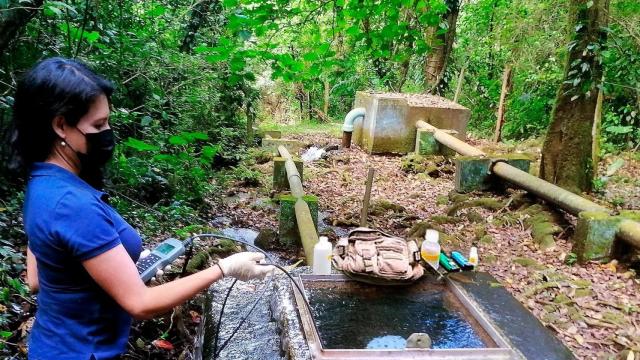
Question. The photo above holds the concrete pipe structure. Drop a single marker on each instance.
(628, 230)
(347, 127)
(304, 220)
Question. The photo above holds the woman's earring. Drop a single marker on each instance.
(63, 143)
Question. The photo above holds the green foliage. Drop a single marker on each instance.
(571, 259)
(179, 167)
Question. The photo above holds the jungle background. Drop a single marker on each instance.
(194, 78)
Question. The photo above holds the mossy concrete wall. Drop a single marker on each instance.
(280, 178)
(288, 225)
(390, 119)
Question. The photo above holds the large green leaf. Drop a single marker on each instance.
(140, 145)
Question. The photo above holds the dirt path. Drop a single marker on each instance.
(594, 308)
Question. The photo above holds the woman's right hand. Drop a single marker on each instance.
(245, 266)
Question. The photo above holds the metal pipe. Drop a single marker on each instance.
(306, 228)
(304, 220)
(628, 230)
(567, 200)
(347, 127)
(450, 141)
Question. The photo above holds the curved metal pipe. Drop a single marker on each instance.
(347, 126)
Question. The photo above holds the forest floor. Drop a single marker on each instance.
(594, 308)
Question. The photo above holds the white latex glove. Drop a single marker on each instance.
(245, 266)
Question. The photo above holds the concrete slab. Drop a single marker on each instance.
(521, 328)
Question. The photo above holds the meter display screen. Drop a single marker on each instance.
(165, 248)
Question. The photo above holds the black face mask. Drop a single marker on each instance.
(100, 148)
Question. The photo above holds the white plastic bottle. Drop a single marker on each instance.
(322, 257)
(473, 256)
(430, 249)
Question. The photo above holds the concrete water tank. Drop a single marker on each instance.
(389, 122)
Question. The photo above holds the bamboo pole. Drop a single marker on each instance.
(459, 85)
(304, 220)
(595, 134)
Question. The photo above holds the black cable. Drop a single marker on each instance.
(224, 303)
(258, 297)
(217, 352)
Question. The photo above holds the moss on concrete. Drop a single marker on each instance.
(595, 235)
(280, 179)
(287, 224)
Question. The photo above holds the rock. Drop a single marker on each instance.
(474, 217)
(381, 207)
(457, 197)
(526, 262)
(443, 219)
(487, 203)
(442, 200)
(486, 239)
(267, 239)
(418, 340)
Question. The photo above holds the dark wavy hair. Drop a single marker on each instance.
(53, 87)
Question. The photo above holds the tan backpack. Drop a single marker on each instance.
(376, 257)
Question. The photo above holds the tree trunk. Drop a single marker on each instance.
(14, 17)
(436, 63)
(506, 87)
(325, 99)
(199, 17)
(567, 149)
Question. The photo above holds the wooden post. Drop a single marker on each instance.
(459, 85)
(595, 134)
(367, 197)
(506, 86)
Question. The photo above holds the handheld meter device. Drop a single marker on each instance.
(161, 256)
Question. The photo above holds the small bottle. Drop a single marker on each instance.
(430, 249)
(322, 257)
(473, 256)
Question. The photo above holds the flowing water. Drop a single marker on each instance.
(366, 317)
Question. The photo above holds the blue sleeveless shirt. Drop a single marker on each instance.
(67, 222)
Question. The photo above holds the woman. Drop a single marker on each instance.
(81, 254)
